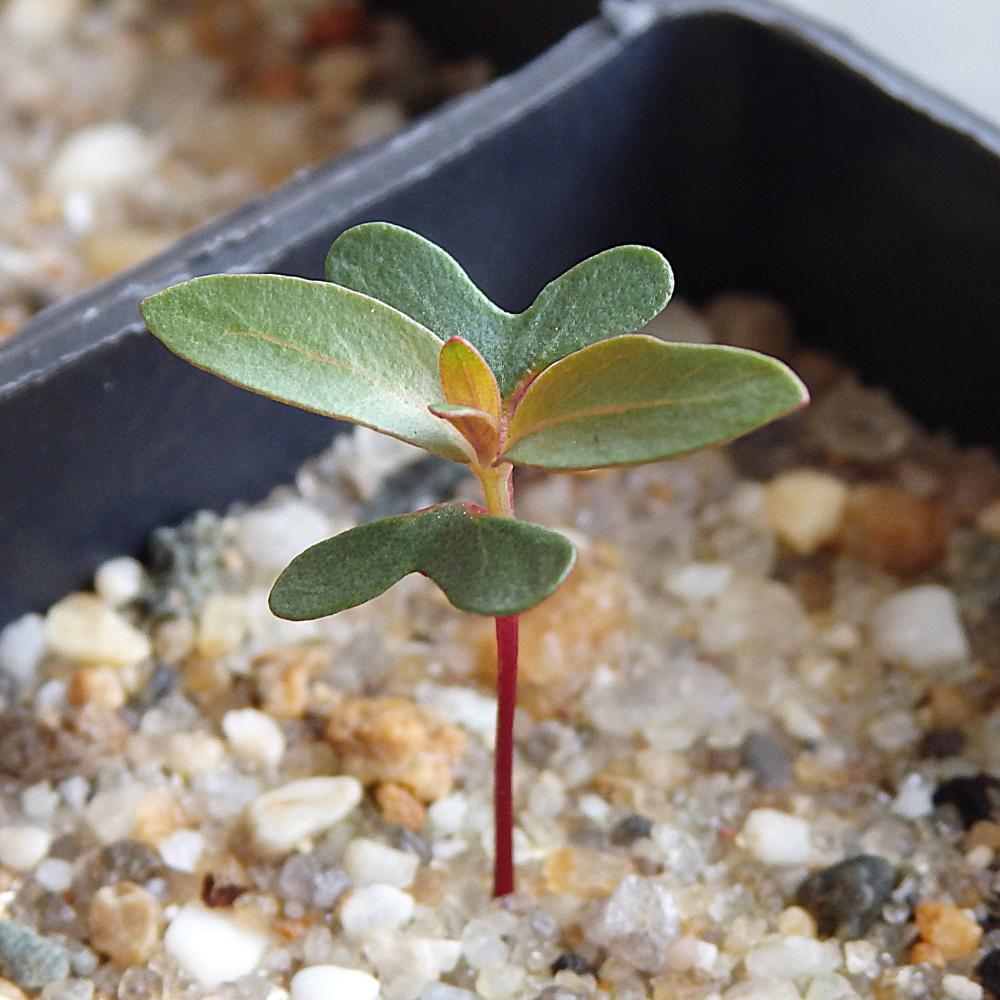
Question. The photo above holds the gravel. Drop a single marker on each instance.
(753, 761)
(124, 124)
(848, 897)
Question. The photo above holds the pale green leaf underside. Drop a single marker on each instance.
(615, 292)
(486, 565)
(637, 399)
(312, 344)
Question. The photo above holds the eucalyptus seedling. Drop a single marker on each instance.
(400, 340)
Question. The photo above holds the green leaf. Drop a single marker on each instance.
(486, 565)
(615, 292)
(312, 344)
(637, 399)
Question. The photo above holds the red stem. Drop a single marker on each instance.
(503, 791)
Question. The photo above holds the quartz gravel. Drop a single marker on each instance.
(757, 745)
(125, 123)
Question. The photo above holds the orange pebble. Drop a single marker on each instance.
(923, 953)
(583, 873)
(951, 930)
(399, 805)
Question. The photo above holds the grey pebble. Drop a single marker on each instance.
(848, 897)
(768, 758)
(30, 959)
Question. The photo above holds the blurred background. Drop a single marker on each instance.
(125, 123)
(952, 46)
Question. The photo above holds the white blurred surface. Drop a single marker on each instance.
(953, 45)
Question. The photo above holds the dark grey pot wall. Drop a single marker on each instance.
(756, 150)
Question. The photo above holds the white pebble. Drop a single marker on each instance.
(182, 850)
(82, 627)
(111, 814)
(406, 964)
(446, 848)
(960, 988)
(213, 946)
(921, 627)
(805, 508)
(222, 625)
(375, 906)
(502, 981)
(119, 581)
(54, 874)
(368, 861)
(22, 646)
(914, 798)
(464, 707)
(799, 722)
(861, 958)
(74, 791)
(980, 857)
(68, 989)
(776, 838)
(763, 989)
(447, 815)
(593, 807)
(894, 731)
(108, 157)
(671, 709)
(700, 581)
(840, 637)
(194, 753)
(50, 697)
(272, 536)
(817, 670)
(226, 793)
(791, 957)
(637, 923)
(689, 953)
(830, 986)
(39, 801)
(375, 456)
(254, 735)
(39, 21)
(754, 614)
(483, 943)
(444, 952)
(284, 817)
(547, 796)
(325, 982)
(442, 991)
(22, 847)
(373, 120)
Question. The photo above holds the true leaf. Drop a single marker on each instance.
(466, 379)
(486, 565)
(615, 292)
(312, 344)
(478, 428)
(638, 399)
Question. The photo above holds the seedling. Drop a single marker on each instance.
(399, 339)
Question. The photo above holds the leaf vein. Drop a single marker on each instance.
(393, 387)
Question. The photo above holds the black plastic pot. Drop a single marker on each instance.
(755, 149)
